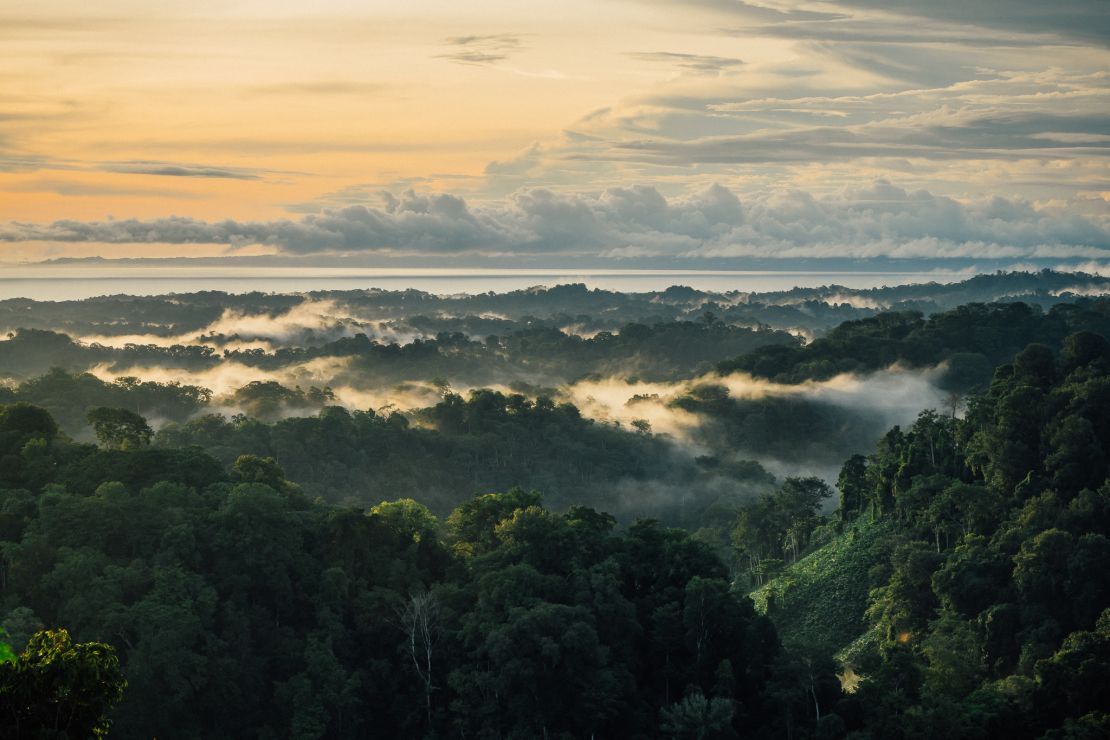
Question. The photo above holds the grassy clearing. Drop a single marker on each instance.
(821, 599)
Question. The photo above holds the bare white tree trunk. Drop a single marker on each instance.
(420, 621)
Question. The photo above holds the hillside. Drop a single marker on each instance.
(822, 599)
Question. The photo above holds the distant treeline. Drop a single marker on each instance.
(417, 313)
(971, 339)
(663, 351)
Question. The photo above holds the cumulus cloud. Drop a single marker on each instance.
(412, 222)
(878, 220)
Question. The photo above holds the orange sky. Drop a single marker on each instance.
(268, 110)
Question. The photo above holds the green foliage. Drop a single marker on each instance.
(59, 689)
(822, 599)
(792, 428)
(240, 607)
(268, 399)
(974, 338)
(654, 341)
(68, 397)
(120, 429)
(699, 718)
(964, 583)
(7, 655)
(490, 441)
(988, 568)
(778, 525)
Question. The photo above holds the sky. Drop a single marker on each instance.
(602, 132)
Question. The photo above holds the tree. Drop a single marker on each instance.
(804, 686)
(409, 520)
(1075, 680)
(852, 483)
(1084, 348)
(58, 689)
(954, 651)
(1076, 459)
(255, 469)
(20, 423)
(473, 524)
(697, 717)
(120, 429)
(419, 618)
(1041, 567)
(799, 501)
(1036, 365)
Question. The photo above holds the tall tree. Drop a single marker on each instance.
(120, 429)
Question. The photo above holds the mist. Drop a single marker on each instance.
(872, 403)
(641, 365)
(311, 321)
(852, 410)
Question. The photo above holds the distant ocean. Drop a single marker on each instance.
(61, 283)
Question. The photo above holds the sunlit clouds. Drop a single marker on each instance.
(874, 221)
(494, 129)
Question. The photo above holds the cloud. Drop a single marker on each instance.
(948, 135)
(479, 50)
(1041, 134)
(310, 321)
(78, 188)
(229, 375)
(17, 162)
(884, 31)
(1088, 20)
(749, 11)
(519, 164)
(20, 26)
(413, 222)
(695, 63)
(169, 169)
(877, 220)
(1005, 115)
(1018, 105)
(20, 162)
(876, 401)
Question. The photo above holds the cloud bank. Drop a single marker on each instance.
(879, 220)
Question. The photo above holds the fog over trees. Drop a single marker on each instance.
(559, 512)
